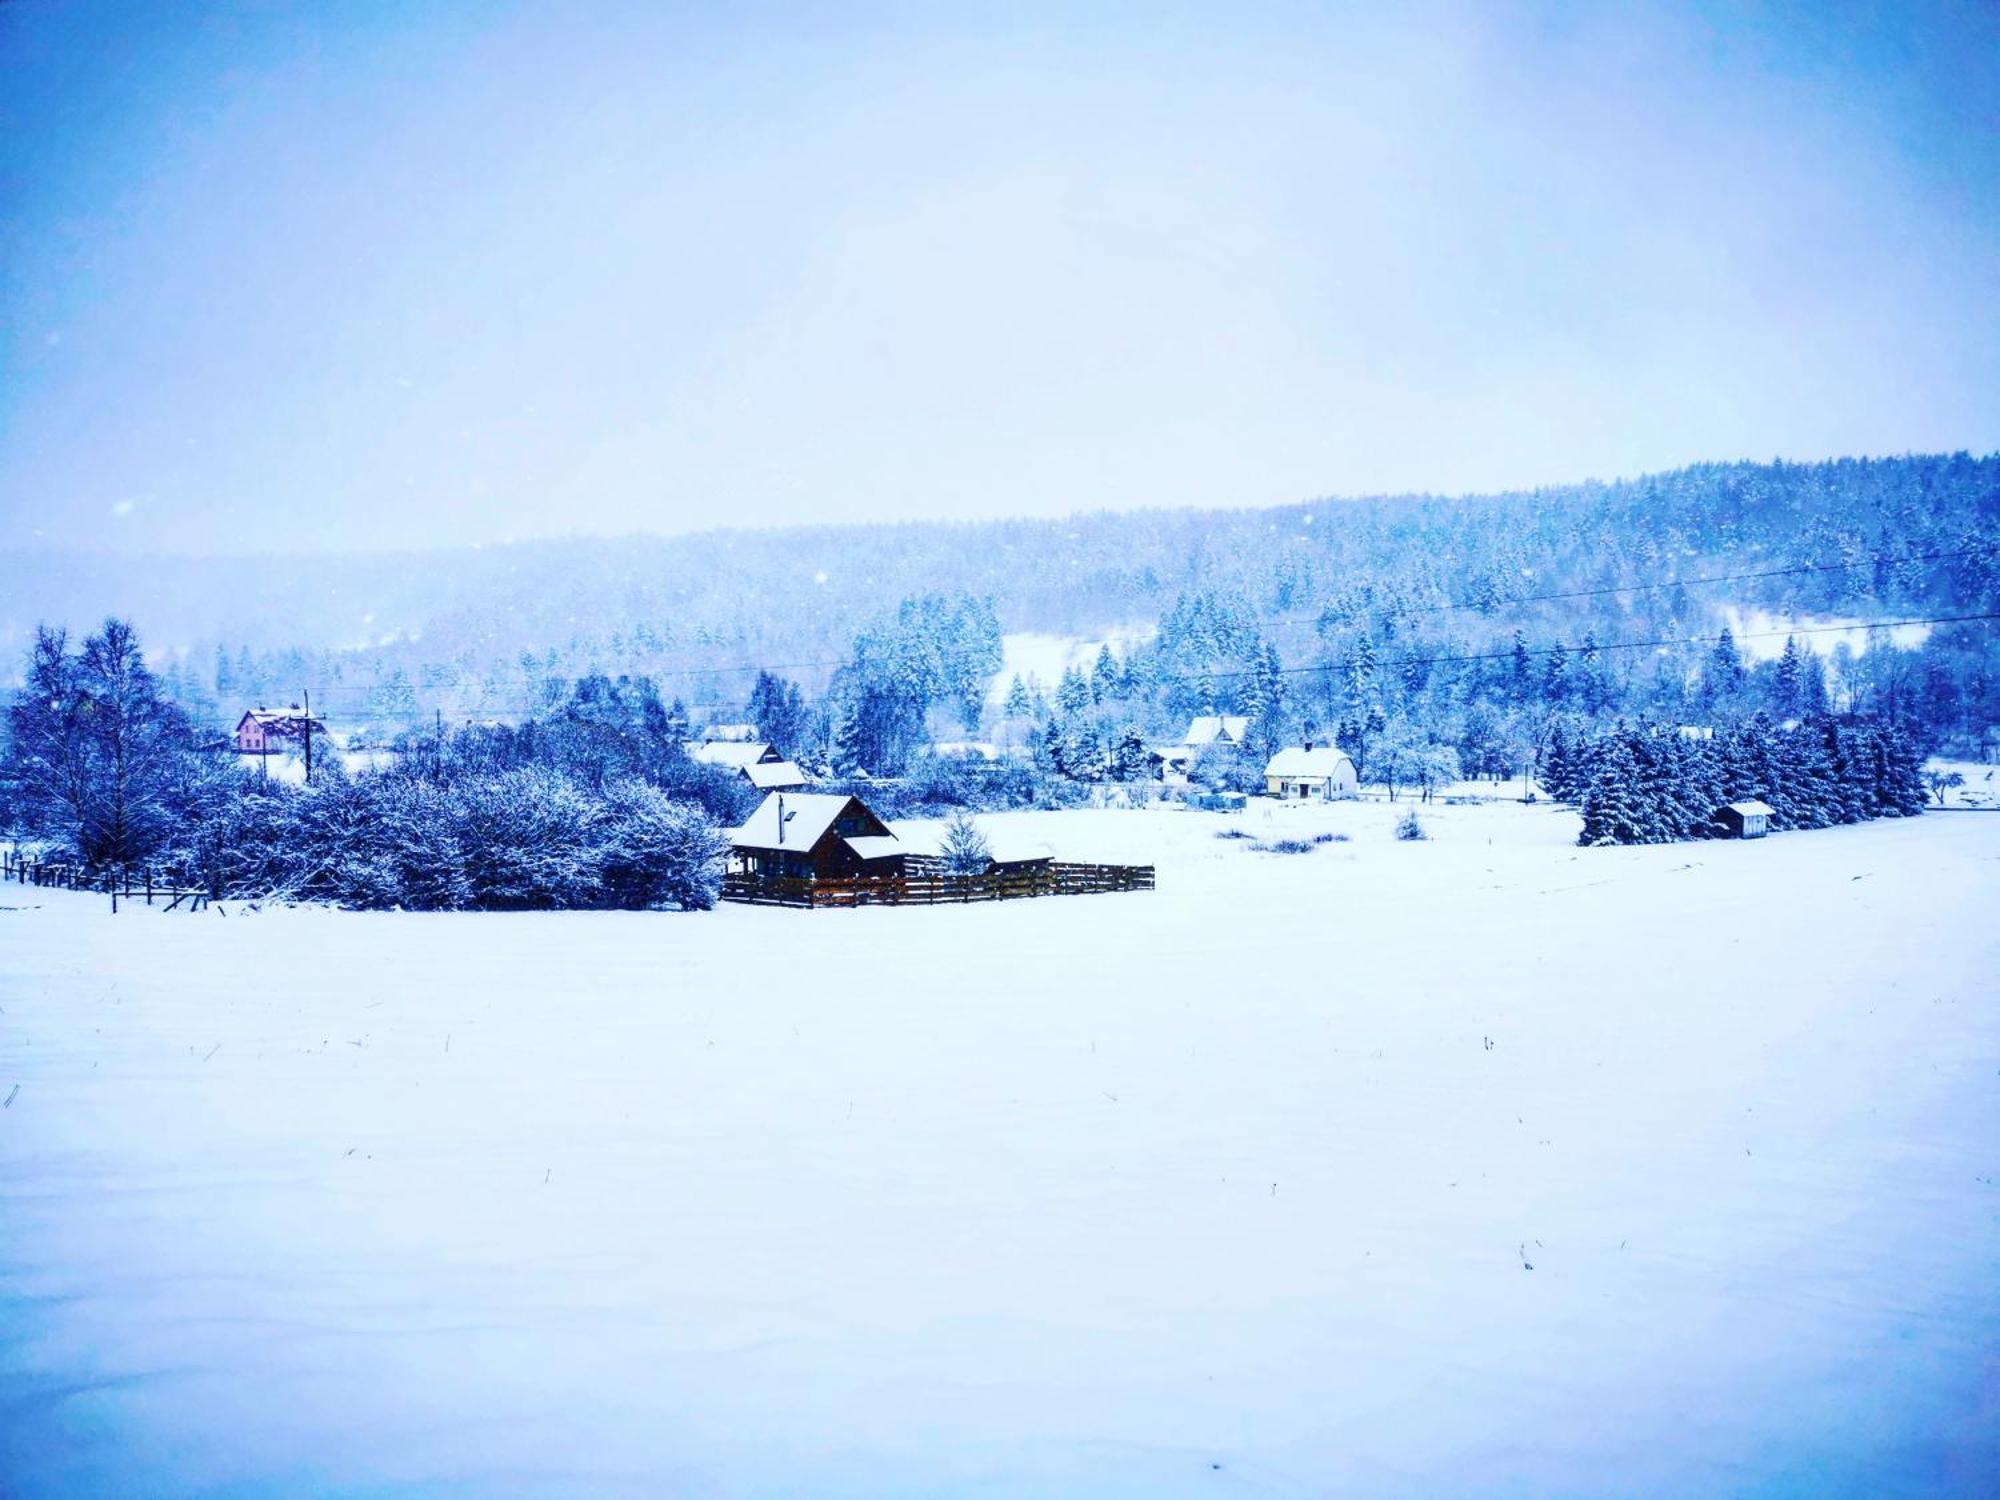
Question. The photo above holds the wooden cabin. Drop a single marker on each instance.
(1745, 820)
(815, 836)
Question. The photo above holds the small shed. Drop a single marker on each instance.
(815, 836)
(1745, 820)
(1319, 772)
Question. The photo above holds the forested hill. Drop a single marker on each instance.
(787, 596)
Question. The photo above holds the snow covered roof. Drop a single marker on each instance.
(1296, 761)
(732, 752)
(1206, 729)
(1752, 809)
(278, 718)
(876, 846)
(774, 775)
(978, 749)
(807, 816)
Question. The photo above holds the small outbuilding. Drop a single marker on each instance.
(759, 763)
(815, 836)
(1745, 820)
(1320, 773)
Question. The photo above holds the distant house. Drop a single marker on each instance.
(733, 733)
(966, 750)
(815, 836)
(1320, 772)
(272, 731)
(760, 764)
(1208, 729)
(734, 753)
(1745, 820)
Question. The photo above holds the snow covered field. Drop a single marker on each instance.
(1481, 1164)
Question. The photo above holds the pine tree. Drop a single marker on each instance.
(1104, 685)
(1073, 693)
(1018, 704)
(1555, 674)
(1612, 813)
(1786, 684)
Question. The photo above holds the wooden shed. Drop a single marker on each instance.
(1745, 820)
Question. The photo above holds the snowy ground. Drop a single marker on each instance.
(1230, 1189)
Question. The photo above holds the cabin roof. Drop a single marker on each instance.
(808, 815)
(1296, 760)
(774, 775)
(733, 752)
(1206, 729)
(1752, 809)
(277, 718)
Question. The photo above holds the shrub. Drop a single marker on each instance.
(1409, 829)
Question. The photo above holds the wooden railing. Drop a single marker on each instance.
(921, 887)
(121, 882)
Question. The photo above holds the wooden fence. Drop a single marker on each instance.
(124, 882)
(926, 887)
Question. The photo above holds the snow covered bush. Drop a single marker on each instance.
(659, 852)
(1409, 828)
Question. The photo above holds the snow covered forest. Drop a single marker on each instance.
(1196, 602)
(1802, 635)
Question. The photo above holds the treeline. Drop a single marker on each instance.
(1567, 574)
(1653, 784)
(595, 804)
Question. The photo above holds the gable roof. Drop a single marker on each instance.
(1752, 809)
(808, 816)
(1295, 760)
(774, 775)
(733, 752)
(284, 720)
(1206, 729)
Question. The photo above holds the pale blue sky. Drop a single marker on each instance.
(310, 276)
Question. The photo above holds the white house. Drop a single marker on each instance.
(1306, 771)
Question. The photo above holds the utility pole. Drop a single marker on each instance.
(309, 736)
